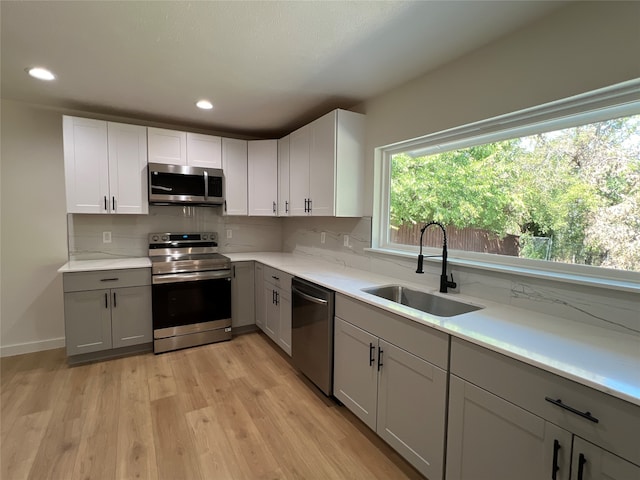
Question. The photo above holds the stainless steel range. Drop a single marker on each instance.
(191, 290)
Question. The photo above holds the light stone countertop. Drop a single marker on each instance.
(605, 360)
(105, 264)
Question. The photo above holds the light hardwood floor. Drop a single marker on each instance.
(231, 410)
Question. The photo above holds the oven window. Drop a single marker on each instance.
(172, 184)
(186, 303)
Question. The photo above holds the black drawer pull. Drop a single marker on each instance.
(380, 352)
(559, 403)
(275, 278)
(115, 279)
(371, 355)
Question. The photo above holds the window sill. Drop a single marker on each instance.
(565, 277)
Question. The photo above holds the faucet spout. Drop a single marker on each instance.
(444, 281)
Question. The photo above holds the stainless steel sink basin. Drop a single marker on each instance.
(423, 301)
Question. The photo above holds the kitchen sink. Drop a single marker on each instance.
(423, 301)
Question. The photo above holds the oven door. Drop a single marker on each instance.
(185, 303)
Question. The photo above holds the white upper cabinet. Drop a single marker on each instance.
(128, 183)
(204, 150)
(234, 165)
(105, 166)
(263, 177)
(299, 170)
(327, 166)
(284, 205)
(184, 148)
(167, 146)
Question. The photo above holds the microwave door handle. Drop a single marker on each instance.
(206, 185)
(160, 187)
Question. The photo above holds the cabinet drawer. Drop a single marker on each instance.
(99, 279)
(526, 386)
(277, 278)
(420, 340)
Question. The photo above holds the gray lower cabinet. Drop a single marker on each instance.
(243, 311)
(508, 419)
(492, 439)
(99, 319)
(591, 462)
(277, 306)
(395, 392)
(259, 295)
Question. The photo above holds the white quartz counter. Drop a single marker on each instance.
(605, 360)
(105, 264)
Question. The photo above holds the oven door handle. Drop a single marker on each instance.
(190, 277)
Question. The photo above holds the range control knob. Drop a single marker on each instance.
(204, 236)
(165, 238)
(155, 238)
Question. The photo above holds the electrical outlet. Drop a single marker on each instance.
(323, 237)
(229, 233)
(106, 237)
(346, 240)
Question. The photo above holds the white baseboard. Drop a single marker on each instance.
(30, 347)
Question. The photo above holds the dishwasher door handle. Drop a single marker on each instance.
(306, 296)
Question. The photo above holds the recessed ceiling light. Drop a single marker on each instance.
(41, 73)
(204, 104)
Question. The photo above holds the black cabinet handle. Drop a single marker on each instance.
(310, 206)
(371, 356)
(554, 466)
(273, 297)
(277, 298)
(274, 207)
(113, 203)
(380, 352)
(114, 279)
(305, 205)
(115, 304)
(105, 203)
(234, 271)
(559, 403)
(581, 462)
(106, 300)
(225, 205)
(275, 278)
(286, 206)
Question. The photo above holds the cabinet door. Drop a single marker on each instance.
(128, 169)
(204, 150)
(355, 371)
(322, 159)
(283, 177)
(131, 316)
(87, 321)
(271, 312)
(284, 331)
(167, 146)
(263, 177)
(593, 463)
(86, 165)
(492, 439)
(234, 165)
(260, 299)
(299, 144)
(412, 398)
(242, 294)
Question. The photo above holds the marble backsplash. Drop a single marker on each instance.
(612, 309)
(129, 233)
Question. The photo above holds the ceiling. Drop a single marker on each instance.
(267, 66)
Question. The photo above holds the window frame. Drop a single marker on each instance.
(615, 101)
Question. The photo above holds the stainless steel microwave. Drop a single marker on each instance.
(181, 184)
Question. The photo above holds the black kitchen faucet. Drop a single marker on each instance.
(444, 281)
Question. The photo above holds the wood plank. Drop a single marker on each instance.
(235, 409)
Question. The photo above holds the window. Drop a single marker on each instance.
(557, 183)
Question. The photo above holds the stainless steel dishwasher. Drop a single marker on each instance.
(312, 332)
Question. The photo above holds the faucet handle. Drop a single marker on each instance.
(451, 283)
(420, 262)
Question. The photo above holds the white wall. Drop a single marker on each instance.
(582, 47)
(34, 229)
